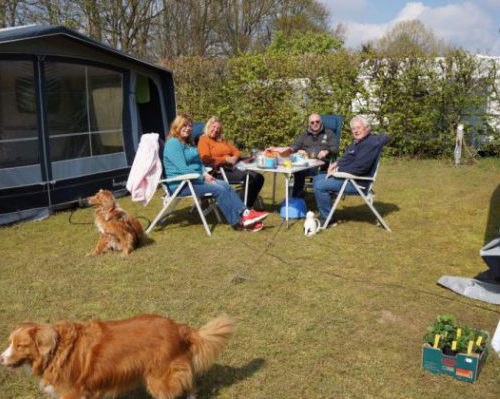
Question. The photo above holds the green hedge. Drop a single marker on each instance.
(265, 99)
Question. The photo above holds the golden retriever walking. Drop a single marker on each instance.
(119, 231)
(93, 359)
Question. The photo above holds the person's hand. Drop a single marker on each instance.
(331, 169)
(322, 154)
(232, 160)
(209, 179)
(302, 153)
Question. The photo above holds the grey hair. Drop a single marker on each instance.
(361, 118)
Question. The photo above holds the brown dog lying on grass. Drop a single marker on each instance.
(119, 231)
(100, 358)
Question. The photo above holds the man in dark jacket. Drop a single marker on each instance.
(357, 160)
(318, 142)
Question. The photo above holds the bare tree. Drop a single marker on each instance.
(410, 37)
(301, 15)
(242, 23)
(172, 28)
(8, 12)
(187, 28)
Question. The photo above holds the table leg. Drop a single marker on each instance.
(247, 180)
(274, 189)
(287, 181)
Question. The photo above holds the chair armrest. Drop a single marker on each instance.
(345, 175)
(189, 176)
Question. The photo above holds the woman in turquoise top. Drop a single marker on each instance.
(180, 157)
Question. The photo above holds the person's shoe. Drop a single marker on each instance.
(250, 217)
(254, 227)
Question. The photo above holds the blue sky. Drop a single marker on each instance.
(473, 25)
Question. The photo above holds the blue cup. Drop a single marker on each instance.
(270, 163)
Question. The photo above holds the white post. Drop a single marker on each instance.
(459, 144)
(495, 342)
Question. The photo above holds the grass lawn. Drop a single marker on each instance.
(338, 315)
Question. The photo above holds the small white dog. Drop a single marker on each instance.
(311, 225)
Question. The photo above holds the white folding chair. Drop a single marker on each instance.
(170, 201)
(365, 191)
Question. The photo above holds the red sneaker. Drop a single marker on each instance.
(254, 227)
(250, 217)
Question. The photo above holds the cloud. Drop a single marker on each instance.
(493, 3)
(358, 33)
(463, 24)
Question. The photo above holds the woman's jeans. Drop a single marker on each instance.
(255, 183)
(227, 200)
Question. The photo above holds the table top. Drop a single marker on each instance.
(312, 163)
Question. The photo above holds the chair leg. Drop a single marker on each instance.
(171, 200)
(370, 205)
(212, 207)
(157, 218)
(173, 205)
(217, 213)
(200, 211)
(335, 204)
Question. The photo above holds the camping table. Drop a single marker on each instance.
(287, 173)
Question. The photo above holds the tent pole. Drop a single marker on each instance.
(43, 122)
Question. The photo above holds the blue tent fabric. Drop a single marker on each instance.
(491, 256)
(35, 31)
(31, 187)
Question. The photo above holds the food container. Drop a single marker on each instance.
(261, 161)
(299, 160)
(270, 163)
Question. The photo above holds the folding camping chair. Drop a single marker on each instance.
(170, 200)
(197, 131)
(334, 123)
(358, 185)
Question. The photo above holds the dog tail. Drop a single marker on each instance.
(207, 341)
(137, 227)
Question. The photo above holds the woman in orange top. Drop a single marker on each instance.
(216, 152)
